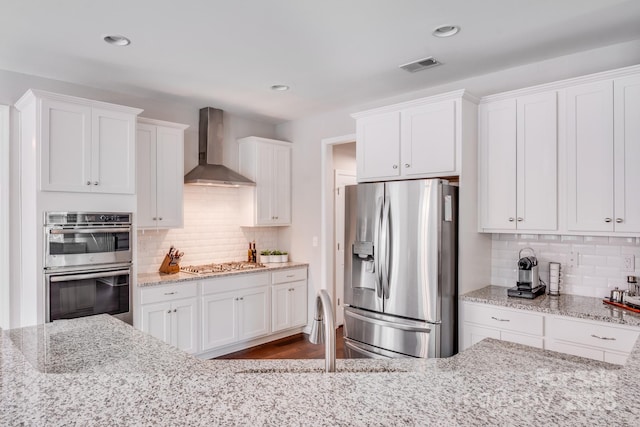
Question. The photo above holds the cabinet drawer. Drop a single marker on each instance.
(168, 293)
(592, 334)
(234, 283)
(506, 320)
(288, 276)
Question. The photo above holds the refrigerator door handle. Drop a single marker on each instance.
(377, 247)
(387, 248)
(389, 324)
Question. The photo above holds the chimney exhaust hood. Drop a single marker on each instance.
(211, 136)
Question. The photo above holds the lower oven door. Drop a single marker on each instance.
(88, 292)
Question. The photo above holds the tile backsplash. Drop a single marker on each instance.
(211, 231)
(598, 260)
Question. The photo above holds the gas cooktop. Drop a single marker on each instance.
(221, 268)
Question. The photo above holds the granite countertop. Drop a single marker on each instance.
(100, 371)
(154, 279)
(564, 305)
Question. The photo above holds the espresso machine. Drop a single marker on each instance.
(528, 285)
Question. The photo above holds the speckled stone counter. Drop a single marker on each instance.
(563, 305)
(154, 279)
(100, 371)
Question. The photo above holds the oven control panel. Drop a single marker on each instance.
(76, 218)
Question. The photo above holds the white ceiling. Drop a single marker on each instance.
(333, 53)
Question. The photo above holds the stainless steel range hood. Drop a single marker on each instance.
(211, 137)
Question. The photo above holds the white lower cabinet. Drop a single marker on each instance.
(602, 341)
(594, 340)
(174, 321)
(235, 308)
(488, 321)
(289, 305)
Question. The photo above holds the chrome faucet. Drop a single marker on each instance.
(324, 317)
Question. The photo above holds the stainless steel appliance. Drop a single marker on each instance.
(528, 285)
(87, 264)
(86, 238)
(400, 269)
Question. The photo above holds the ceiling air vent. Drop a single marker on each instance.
(420, 64)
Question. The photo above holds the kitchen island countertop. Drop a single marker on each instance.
(577, 306)
(100, 371)
(154, 279)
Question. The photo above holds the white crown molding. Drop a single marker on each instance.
(155, 122)
(563, 84)
(32, 94)
(261, 139)
(456, 94)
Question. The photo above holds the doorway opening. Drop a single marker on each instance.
(338, 170)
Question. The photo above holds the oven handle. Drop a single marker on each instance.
(88, 230)
(88, 275)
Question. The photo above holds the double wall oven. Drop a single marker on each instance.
(87, 264)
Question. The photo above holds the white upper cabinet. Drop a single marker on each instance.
(518, 164)
(497, 165)
(378, 147)
(590, 157)
(428, 136)
(160, 173)
(627, 153)
(417, 139)
(84, 145)
(267, 162)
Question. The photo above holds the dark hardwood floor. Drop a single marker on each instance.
(293, 347)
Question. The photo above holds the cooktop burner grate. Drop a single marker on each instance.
(221, 268)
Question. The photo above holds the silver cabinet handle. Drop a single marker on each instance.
(407, 165)
(500, 320)
(154, 218)
(175, 310)
(88, 182)
(160, 218)
(607, 220)
(291, 275)
(511, 219)
(603, 338)
(95, 182)
(618, 220)
(395, 166)
(171, 293)
(169, 312)
(520, 219)
(241, 298)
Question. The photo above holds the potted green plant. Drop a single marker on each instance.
(284, 257)
(265, 256)
(275, 256)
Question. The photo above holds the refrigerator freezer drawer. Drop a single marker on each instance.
(357, 350)
(410, 338)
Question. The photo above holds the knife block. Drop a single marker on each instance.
(167, 268)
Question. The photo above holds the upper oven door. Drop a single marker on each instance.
(77, 246)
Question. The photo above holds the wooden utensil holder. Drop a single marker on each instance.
(167, 268)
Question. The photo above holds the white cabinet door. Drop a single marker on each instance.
(156, 320)
(219, 320)
(169, 177)
(298, 303)
(378, 147)
(264, 184)
(428, 140)
(537, 165)
(66, 146)
(627, 154)
(497, 165)
(281, 188)
(145, 175)
(280, 313)
(255, 313)
(185, 325)
(113, 151)
(590, 157)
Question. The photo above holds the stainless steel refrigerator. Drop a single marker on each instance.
(400, 287)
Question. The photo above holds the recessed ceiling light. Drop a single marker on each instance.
(117, 40)
(280, 87)
(446, 31)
